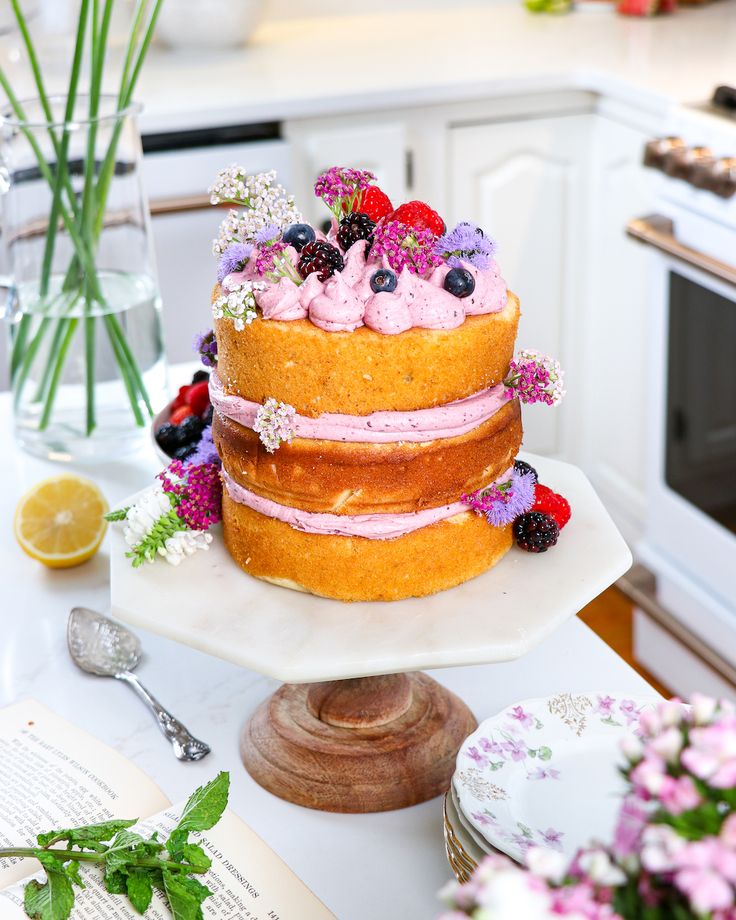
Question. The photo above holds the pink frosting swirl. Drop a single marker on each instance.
(421, 425)
(345, 302)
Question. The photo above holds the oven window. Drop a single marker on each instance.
(700, 454)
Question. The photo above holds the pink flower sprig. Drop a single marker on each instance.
(534, 377)
(339, 187)
(405, 247)
(272, 257)
(502, 502)
(197, 492)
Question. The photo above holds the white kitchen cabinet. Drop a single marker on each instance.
(523, 182)
(612, 324)
(378, 144)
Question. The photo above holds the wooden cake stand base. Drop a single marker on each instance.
(360, 745)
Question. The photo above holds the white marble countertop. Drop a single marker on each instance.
(333, 64)
(362, 866)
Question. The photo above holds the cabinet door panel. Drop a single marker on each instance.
(521, 182)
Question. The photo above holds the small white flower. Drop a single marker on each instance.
(239, 304)
(274, 423)
(703, 708)
(184, 543)
(671, 712)
(546, 863)
(668, 745)
(632, 748)
(143, 515)
(660, 845)
(597, 864)
(508, 895)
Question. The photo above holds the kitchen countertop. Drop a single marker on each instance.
(296, 68)
(362, 866)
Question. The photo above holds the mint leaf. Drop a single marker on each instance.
(205, 806)
(195, 856)
(184, 905)
(54, 898)
(83, 836)
(115, 881)
(139, 889)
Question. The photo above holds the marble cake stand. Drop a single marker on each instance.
(355, 728)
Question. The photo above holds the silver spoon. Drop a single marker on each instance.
(100, 646)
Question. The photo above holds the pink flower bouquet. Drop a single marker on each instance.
(673, 856)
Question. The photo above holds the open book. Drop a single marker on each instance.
(53, 775)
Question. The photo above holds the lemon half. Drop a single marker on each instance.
(60, 521)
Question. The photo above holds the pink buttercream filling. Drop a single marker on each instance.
(345, 301)
(448, 421)
(371, 526)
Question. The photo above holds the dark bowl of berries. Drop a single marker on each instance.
(177, 429)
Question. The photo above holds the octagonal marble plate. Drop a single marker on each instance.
(211, 604)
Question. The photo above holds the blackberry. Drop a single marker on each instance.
(191, 429)
(322, 258)
(181, 453)
(535, 532)
(354, 227)
(521, 466)
(200, 376)
(207, 417)
(168, 438)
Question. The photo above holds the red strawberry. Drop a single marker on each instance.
(178, 415)
(549, 502)
(181, 397)
(373, 202)
(198, 397)
(420, 215)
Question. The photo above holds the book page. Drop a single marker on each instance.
(247, 879)
(54, 775)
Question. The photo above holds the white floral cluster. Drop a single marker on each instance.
(274, 423)
(264, 201)
(143, 516)
(238, 304)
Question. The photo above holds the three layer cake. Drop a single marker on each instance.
(365, 396)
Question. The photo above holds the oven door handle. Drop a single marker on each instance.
(658, 231)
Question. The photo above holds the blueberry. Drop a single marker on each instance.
(191, 429)
(383, 280)
(298, 235)
(181, 453)
(459, 282)
(168, 438)
(200, 376)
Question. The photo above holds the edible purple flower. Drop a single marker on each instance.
(268, 235)
(466, 243)
(534, 377)
(197, 490)
(205, 344)
(233, 259)
(205, 451)
(405, 247)
(339, 187)
(502, 502)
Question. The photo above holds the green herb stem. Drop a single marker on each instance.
(143, 862)
(70, 327)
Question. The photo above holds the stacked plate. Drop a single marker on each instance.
(543, 772)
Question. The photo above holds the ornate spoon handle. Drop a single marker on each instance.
(185, 745)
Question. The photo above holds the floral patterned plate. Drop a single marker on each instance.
(544, 772)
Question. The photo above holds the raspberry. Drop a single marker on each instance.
(181, 397)
(198, 397)
(179, 414)
(322, 258)
(356, 226)
(549, 502)
(373, 202)
(419, 215)
(535, 532)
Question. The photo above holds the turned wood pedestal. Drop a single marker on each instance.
(361, 745)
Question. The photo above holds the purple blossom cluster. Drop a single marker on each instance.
(339, 187)
(197, 490)
(466, 243)
(405, 247)
(269, 257)
(205, 344)
(233, 259)
(205, 451)
(502, 503)
(534, 377)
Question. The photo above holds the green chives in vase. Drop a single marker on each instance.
(86, 354)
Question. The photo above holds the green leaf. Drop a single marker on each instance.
(54, 898)
(82, 836)
(184, 905)
(116, 881)
(206, 805)
(196, 856)
(140, 889)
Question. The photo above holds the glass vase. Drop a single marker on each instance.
(86, 355)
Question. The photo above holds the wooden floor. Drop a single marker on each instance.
(611, 616)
